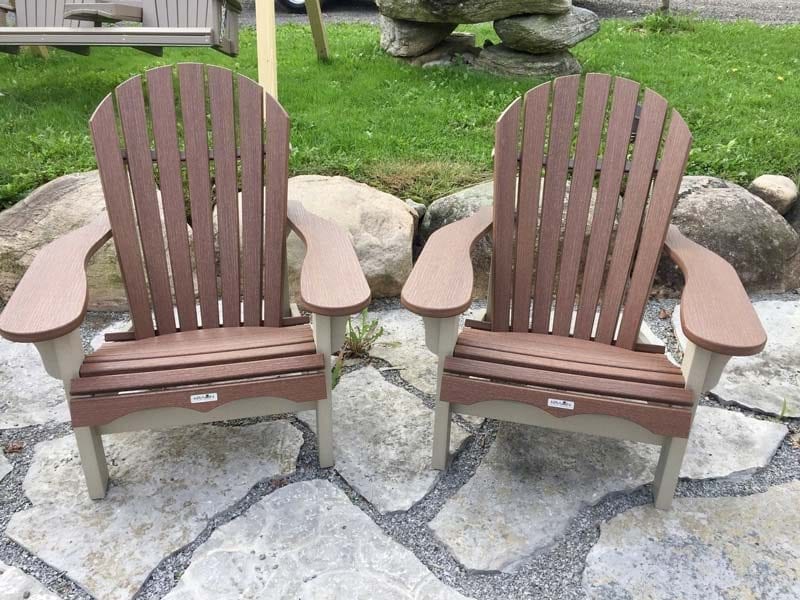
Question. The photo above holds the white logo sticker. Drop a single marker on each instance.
(201, 398)
(565, 404)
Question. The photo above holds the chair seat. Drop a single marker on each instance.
(197, 369)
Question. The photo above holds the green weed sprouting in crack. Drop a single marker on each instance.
(358, 340)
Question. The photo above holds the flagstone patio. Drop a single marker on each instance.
(242, 509)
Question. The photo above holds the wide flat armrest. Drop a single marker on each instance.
(716, 313)
(331, 280)
(441, 283)
(52, 297)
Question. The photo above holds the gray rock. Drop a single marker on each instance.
(30, 396)
(776, 190)
(793, 217)
(418, 207)
(739, 547)
(534, 481)
(306, 540)
(467, 11)
(768, 382)
(380, 225)
(540, 34)
(5, 466)
(411, 38)
(382, 437)
(724, 443)
(16, 585)
(49, 212)
(740, 227)
(165, 488)
(456, 48)
(503, 60)
(529, 486)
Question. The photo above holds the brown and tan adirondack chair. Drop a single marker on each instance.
(560, 344)
(246, 357)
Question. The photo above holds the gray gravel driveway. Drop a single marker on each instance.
(763, 11)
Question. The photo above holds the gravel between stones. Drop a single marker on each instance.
(553, 573)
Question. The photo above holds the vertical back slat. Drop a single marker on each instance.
(277, 178)
(595, 99)
(220, 95)
(562, 125)
(130, 100)
(648, 141)
(120, 214)
(193, 110)
(530, 176)
(165, 134)
(505, 192)
(251, 126)
(619, 130)
(654, 232)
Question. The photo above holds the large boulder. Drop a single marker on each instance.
(503, 60)
(47, 213)
(381, 227)
(778, 191)
(740, 227)
(542, 34)
(411, 38)
(467, 11)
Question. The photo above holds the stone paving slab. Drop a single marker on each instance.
(768, 382)
(16, 585)
(534, 481)
(728, 548)
(29, 395)
(383, 438)
(165, 488)
(306, 540)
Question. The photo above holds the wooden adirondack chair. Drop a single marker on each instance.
(252, 357)
(560, 344)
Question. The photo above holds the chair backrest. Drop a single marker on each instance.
(198, 141)
(46, 13)
(554, 270)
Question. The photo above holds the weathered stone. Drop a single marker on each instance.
(306, 540)
(540, 34)
(529, 486)
(458, 47)
(503, 60)
(403, 346)
(739, 547)
(15, 584)
(165, 488)
(768, 381)
(411, 38)
(467, 11)
(724, 443)
(381, 226)
(47, 213)
(740, 227)
(534, 481)
(5, 466)
(419, 209)
(776, 190)
(382, 437)
(30, 396)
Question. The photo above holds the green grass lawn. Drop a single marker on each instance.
(422, 132)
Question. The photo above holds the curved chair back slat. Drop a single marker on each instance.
(581, 211)
(175, 149)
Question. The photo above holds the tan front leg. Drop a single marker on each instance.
(440, 337)
(329, 337)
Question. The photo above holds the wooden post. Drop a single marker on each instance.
(266, 47)
(314, 10)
